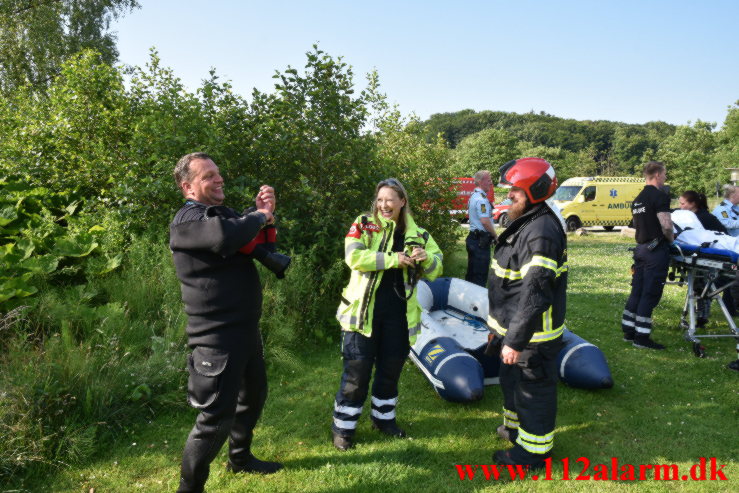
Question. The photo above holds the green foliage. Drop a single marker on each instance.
(689, 157)
(307, 143)
(487, 149)
(103, 355)
(36, 37)
(425, 170)
(591, 147)
(38, 245)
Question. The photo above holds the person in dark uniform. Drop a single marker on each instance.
(482, 231)
(223, 300)
(527, 299)
(651, 216)
(690, 200)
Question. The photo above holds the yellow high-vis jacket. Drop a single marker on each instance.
(368, 252)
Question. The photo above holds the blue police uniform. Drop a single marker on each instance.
(728, 214)
(478, 240)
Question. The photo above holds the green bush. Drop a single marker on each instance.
(101, 356)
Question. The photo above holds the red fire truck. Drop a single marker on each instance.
(464, 187)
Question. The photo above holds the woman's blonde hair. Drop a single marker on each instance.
(395, 184)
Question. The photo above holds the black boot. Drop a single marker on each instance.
(644, 342)
(342, 442)
(389, 427)
(518, 456)
(254, 465)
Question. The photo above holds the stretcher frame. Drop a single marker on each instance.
(690, 263)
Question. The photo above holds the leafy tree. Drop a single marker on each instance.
(307, 140)
(689, 157)
(36, 36)
(727, 154)
(487, 149)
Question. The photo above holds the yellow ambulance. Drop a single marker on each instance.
(597, 200)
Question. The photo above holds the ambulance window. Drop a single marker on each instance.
(589, 194)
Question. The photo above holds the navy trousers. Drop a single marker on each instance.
(647, 284)
(478, 257)
(386, 350)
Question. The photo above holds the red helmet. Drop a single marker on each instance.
(533, 175)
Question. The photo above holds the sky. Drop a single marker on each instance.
(619, 60)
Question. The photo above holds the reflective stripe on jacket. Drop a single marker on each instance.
(368, 252)
(527, 284)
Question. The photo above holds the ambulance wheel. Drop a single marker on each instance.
(698, 350)
(573, 223)
(503, 220)
(608, 228)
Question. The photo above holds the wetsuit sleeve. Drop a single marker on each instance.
(217, 234)
(432, 266)
(359, 253)
(538, 272)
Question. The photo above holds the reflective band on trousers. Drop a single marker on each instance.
(384, 402)
(350, 411)
(536, 444)
(541, 336)
(389, 415)
(345, 425)
(536, 261)
(510, 419)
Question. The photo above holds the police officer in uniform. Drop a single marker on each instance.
(527, 290)
(727, 211)
(223, 300)
(653, 223)
(482, 231)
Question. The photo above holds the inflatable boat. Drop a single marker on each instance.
(449, 350)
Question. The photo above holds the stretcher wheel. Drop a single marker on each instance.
(699, 350)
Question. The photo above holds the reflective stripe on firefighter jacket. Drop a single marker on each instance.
(527, 283)
(368, 252)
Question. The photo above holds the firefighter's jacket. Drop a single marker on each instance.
(527, 283)
(368, 251)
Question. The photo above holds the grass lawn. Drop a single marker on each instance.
(666, 407)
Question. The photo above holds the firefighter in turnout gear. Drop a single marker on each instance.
(527, 297)
(379, 313)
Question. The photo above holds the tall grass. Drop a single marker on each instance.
(88, 360)
(85, 362)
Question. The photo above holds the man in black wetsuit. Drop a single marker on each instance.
(653, 223)
(223, 300)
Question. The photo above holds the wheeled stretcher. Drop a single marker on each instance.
(713, 269)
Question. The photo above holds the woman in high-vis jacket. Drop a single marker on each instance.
(379, 312)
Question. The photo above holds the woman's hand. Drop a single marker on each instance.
(404, 260)
(419, 254)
